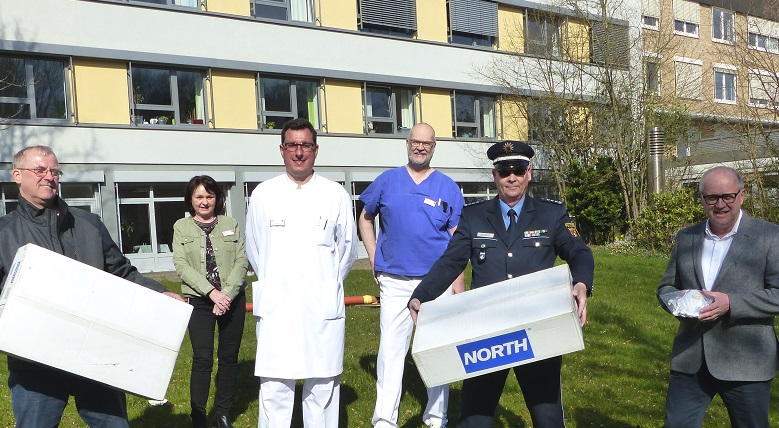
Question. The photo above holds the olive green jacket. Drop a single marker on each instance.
(189, 256)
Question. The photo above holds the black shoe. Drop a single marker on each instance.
(222, 421)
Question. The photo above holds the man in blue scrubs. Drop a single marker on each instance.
(419, 209)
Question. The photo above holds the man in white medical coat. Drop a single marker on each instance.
(301, 241)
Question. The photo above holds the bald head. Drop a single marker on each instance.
(420, 145)
(720, 173)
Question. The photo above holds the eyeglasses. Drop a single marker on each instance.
(41, 172)
(427, 145)
(727, 198)
(293, 147)
(519, 172)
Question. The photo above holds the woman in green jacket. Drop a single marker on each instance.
(210, 258)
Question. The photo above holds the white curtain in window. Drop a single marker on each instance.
(488, 117)
(687, 11)
(199, 100)
(406, 113)
(299, 10)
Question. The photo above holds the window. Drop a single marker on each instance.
(167, 97)
(688, 77)
(650, 18)
(765, 43)
(725, 85)
(474, 115)
(388, 110)
(284, 10)
(473, 22)
(722, 24)
(652, 76)
(32, 89)
(476, 192)
(283, 99)
(686, 18)
(390, 17)
(610, 44)
(545, 122)
(763, 89)
(543, 35)
(763, 34)
(189, 3)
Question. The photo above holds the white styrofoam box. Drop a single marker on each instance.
(506, 324)
(71, 316)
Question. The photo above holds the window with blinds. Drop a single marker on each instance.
(610, 44)
(473, 22)
(650, 14)
(763, 88)
(687, 17)
(391, 17)
(688, 78)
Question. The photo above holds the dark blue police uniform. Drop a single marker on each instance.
(545, 232)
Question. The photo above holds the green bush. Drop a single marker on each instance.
(655, 228)
(593, 196)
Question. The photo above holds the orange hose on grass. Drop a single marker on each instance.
(348, 300)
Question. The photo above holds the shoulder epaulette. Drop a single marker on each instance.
(476, 203)
(551, 200)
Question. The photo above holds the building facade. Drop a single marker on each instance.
(138, 96)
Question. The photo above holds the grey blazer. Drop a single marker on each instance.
(742, 344)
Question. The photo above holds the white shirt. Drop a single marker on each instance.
(301, 242)
(714, 251)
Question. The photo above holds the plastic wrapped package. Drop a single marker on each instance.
(686, 303)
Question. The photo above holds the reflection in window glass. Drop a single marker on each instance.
(283, 99)
(167, 97)
(32, 89)
(77, 190)
(388, 110)
(474, 116)
(543, 35)
(136, 233)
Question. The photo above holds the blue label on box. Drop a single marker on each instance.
(495, 351)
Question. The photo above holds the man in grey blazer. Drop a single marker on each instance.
(730, 349)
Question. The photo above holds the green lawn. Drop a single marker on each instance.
(618, 381)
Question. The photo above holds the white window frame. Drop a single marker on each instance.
(687, 13)
(725, 69)
(766, 102)
(688, 61)
(650, 18)
(724, 23)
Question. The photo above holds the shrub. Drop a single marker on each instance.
(593, 197)
(655, 228)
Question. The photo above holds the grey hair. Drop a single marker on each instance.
(21, 155)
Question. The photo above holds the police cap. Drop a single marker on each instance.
(516, 152)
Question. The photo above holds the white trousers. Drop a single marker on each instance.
(320, 402)
(396, 328)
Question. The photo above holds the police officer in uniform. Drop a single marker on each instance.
(511, 235)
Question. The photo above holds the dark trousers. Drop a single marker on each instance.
(201, 334)
(689, 395)
(39, 397)
(540, 384)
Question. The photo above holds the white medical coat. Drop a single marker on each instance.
(301, 243)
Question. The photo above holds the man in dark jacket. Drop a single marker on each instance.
(505, 237)
(39, 394)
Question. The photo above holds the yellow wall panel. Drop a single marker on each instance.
(577, 45)
(235, 99)
(510, 29)
(514, 120)
(337, 13)
(344, 106)
(101, 91)
(437, 110)
(232, 7)
(431, 20)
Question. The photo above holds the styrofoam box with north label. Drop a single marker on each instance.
(68, 315)
(506, 324)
